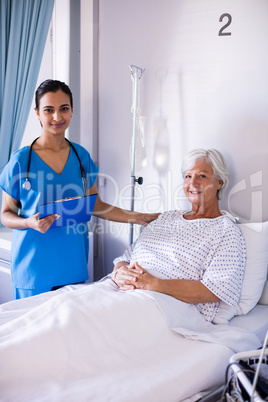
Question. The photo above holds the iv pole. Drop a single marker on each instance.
(136, 74)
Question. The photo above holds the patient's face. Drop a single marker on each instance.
(201, 185)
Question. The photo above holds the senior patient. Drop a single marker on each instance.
(197, 256)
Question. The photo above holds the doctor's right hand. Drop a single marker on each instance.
(41, 225)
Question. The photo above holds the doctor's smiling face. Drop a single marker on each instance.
(201, 185)
(54, 112)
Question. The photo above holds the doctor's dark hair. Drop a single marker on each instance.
(215, 159)
(51, 86)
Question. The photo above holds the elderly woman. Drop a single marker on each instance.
(197, 256)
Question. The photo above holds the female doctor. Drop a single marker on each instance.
(52, 168)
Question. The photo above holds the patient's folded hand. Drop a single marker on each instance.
(144, 280)
(130, 277)
(127, 275)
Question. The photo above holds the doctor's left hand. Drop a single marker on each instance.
(41, 225)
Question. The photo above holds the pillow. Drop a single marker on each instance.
(256, 238)
(264, 296)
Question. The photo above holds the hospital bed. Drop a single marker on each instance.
(95, 343)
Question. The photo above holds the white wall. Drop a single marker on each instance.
(199, 90)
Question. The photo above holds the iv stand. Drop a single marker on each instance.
(136, 74)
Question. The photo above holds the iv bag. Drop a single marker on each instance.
(161, 147)
(140, 151)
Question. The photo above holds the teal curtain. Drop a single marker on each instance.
(24, 28)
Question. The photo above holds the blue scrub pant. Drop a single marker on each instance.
(18, 293)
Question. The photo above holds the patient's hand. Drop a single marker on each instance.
(124, 275)
(130, 277)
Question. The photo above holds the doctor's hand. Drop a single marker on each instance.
(145, 219)
(41, 225)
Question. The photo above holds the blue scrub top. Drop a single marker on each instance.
(59, 256)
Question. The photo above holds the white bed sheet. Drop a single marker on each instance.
(93, 343)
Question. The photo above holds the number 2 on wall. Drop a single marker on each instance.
(229, 20)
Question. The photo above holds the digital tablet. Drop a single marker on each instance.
(71, 210)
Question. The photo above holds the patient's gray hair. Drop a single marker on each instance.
(216, 161)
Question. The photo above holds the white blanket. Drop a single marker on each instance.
(100, 344)
(186, 320)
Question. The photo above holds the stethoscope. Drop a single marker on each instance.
(27, 184)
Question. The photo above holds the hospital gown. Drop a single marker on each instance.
(212, 251)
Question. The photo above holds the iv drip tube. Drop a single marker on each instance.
(136, 74)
